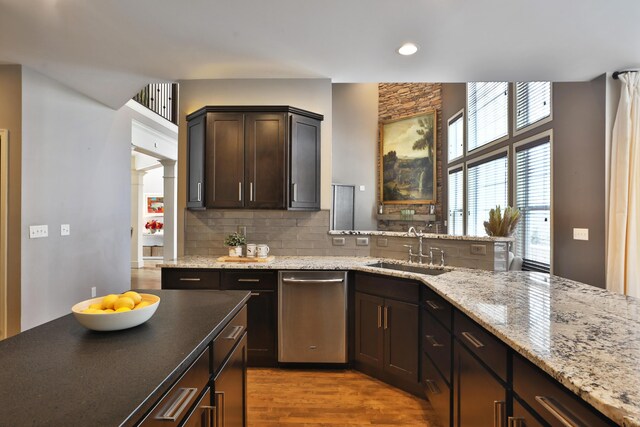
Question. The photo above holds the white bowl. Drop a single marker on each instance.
(115, 321)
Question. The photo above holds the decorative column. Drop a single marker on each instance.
(137, 212)
(170, 212)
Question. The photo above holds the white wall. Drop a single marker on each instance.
(355, 136)
(309, 94)
(75, 170)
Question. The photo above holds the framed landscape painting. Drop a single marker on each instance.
(154, 204)
(408, 164)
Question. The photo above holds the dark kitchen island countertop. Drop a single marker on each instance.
(62, 374)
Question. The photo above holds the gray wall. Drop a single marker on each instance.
(579, 112)
(11, 119)
(355, 138)
(75, 170)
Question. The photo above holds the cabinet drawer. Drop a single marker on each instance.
(201, 416)
(249, 280)
(436, 343)
(190, 278)
(522, 417)
(551, 400)
(227, 339)
(437, 391)
(437, 306)
(402, 290)
(174, 406)
(480, 342)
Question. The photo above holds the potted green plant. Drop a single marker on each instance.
(502, 224)
(235, 241)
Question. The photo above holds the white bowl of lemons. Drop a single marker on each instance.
(115, 312)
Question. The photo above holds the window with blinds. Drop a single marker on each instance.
(456, 207)
(533, 103)
(486, 188)
(533, 198)
(455, 136)
(487, 110)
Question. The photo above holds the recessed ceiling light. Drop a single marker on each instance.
(408, 49)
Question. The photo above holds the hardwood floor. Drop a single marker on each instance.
(278, 397)
(147, 277)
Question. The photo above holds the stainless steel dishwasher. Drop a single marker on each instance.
(312, 316)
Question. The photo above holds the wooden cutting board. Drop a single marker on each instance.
(245, 259)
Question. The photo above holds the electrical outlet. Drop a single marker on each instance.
(93, 292)
(38, 231)
(580, 234)
(65, 229)
(479, 249)
(362, 241)
(383, 242)
(338, 241)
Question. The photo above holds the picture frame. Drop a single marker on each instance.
(407, 159)
(154, 204)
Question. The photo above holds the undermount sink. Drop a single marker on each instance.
(411, 268)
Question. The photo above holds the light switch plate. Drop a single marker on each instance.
(65, 229)
(580, 234)
(38, 231)
(362, 188)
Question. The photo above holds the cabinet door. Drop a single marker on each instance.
(230, 389)
(195, 162)
(200, 416)
(224, 150)
(369, 334)
(523, 418)
(304, 192)
(261, 328)
(265, 171)
(401, 340)
(479, 399)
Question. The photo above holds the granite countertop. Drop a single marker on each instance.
(587, 338)
(60, 373)
(425, 235)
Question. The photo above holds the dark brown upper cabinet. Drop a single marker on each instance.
(264, 157)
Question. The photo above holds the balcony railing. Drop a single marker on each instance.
(162, 99)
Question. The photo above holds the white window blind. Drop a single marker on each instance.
(456, 209)
(533, 102)
(533, 198)
(487, 109)
(486, 188)
(455, 137)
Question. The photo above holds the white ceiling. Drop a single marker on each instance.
(108, 49)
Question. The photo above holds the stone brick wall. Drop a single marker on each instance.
(397, 100)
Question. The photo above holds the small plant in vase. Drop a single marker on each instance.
(153, 226)
(235, 241)
(502, 224)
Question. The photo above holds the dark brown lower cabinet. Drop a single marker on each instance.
(437, 391)
(522, 417)
(230, 389)
(479, 399)
(369, 333)
(202, 414)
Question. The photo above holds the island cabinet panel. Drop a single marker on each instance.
(230, 389)
(262, 314)
(202, 414)
(224, 153)
(256, 157)
(549, 400)
(190, 278)
(226, 340)
(387, 332)
(195, 160)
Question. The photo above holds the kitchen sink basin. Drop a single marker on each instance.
(411, 268)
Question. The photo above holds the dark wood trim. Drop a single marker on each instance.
(254, 109)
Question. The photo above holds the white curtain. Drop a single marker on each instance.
(623, 250)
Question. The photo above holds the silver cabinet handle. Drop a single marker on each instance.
(433, 305)
(432, 386)
(249, 280)
(174, 408)
(240, 191)
(499, 413)
(386, 317)
(558, 412)
(294, 191)
(255, 294)
(516, 422)
(190, 279)
(237, 330)
(290, 280)
(473, 340)
(251, 191)
(199, 191)
(379, 316)
(433, 341)
(211, 416)
(220, 409)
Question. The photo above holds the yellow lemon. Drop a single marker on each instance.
(108, 310)
(96, 306)
(92, 311)
(143, 304)
(123, 302)
(134, 296)
(109, 300)
(122, 309)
